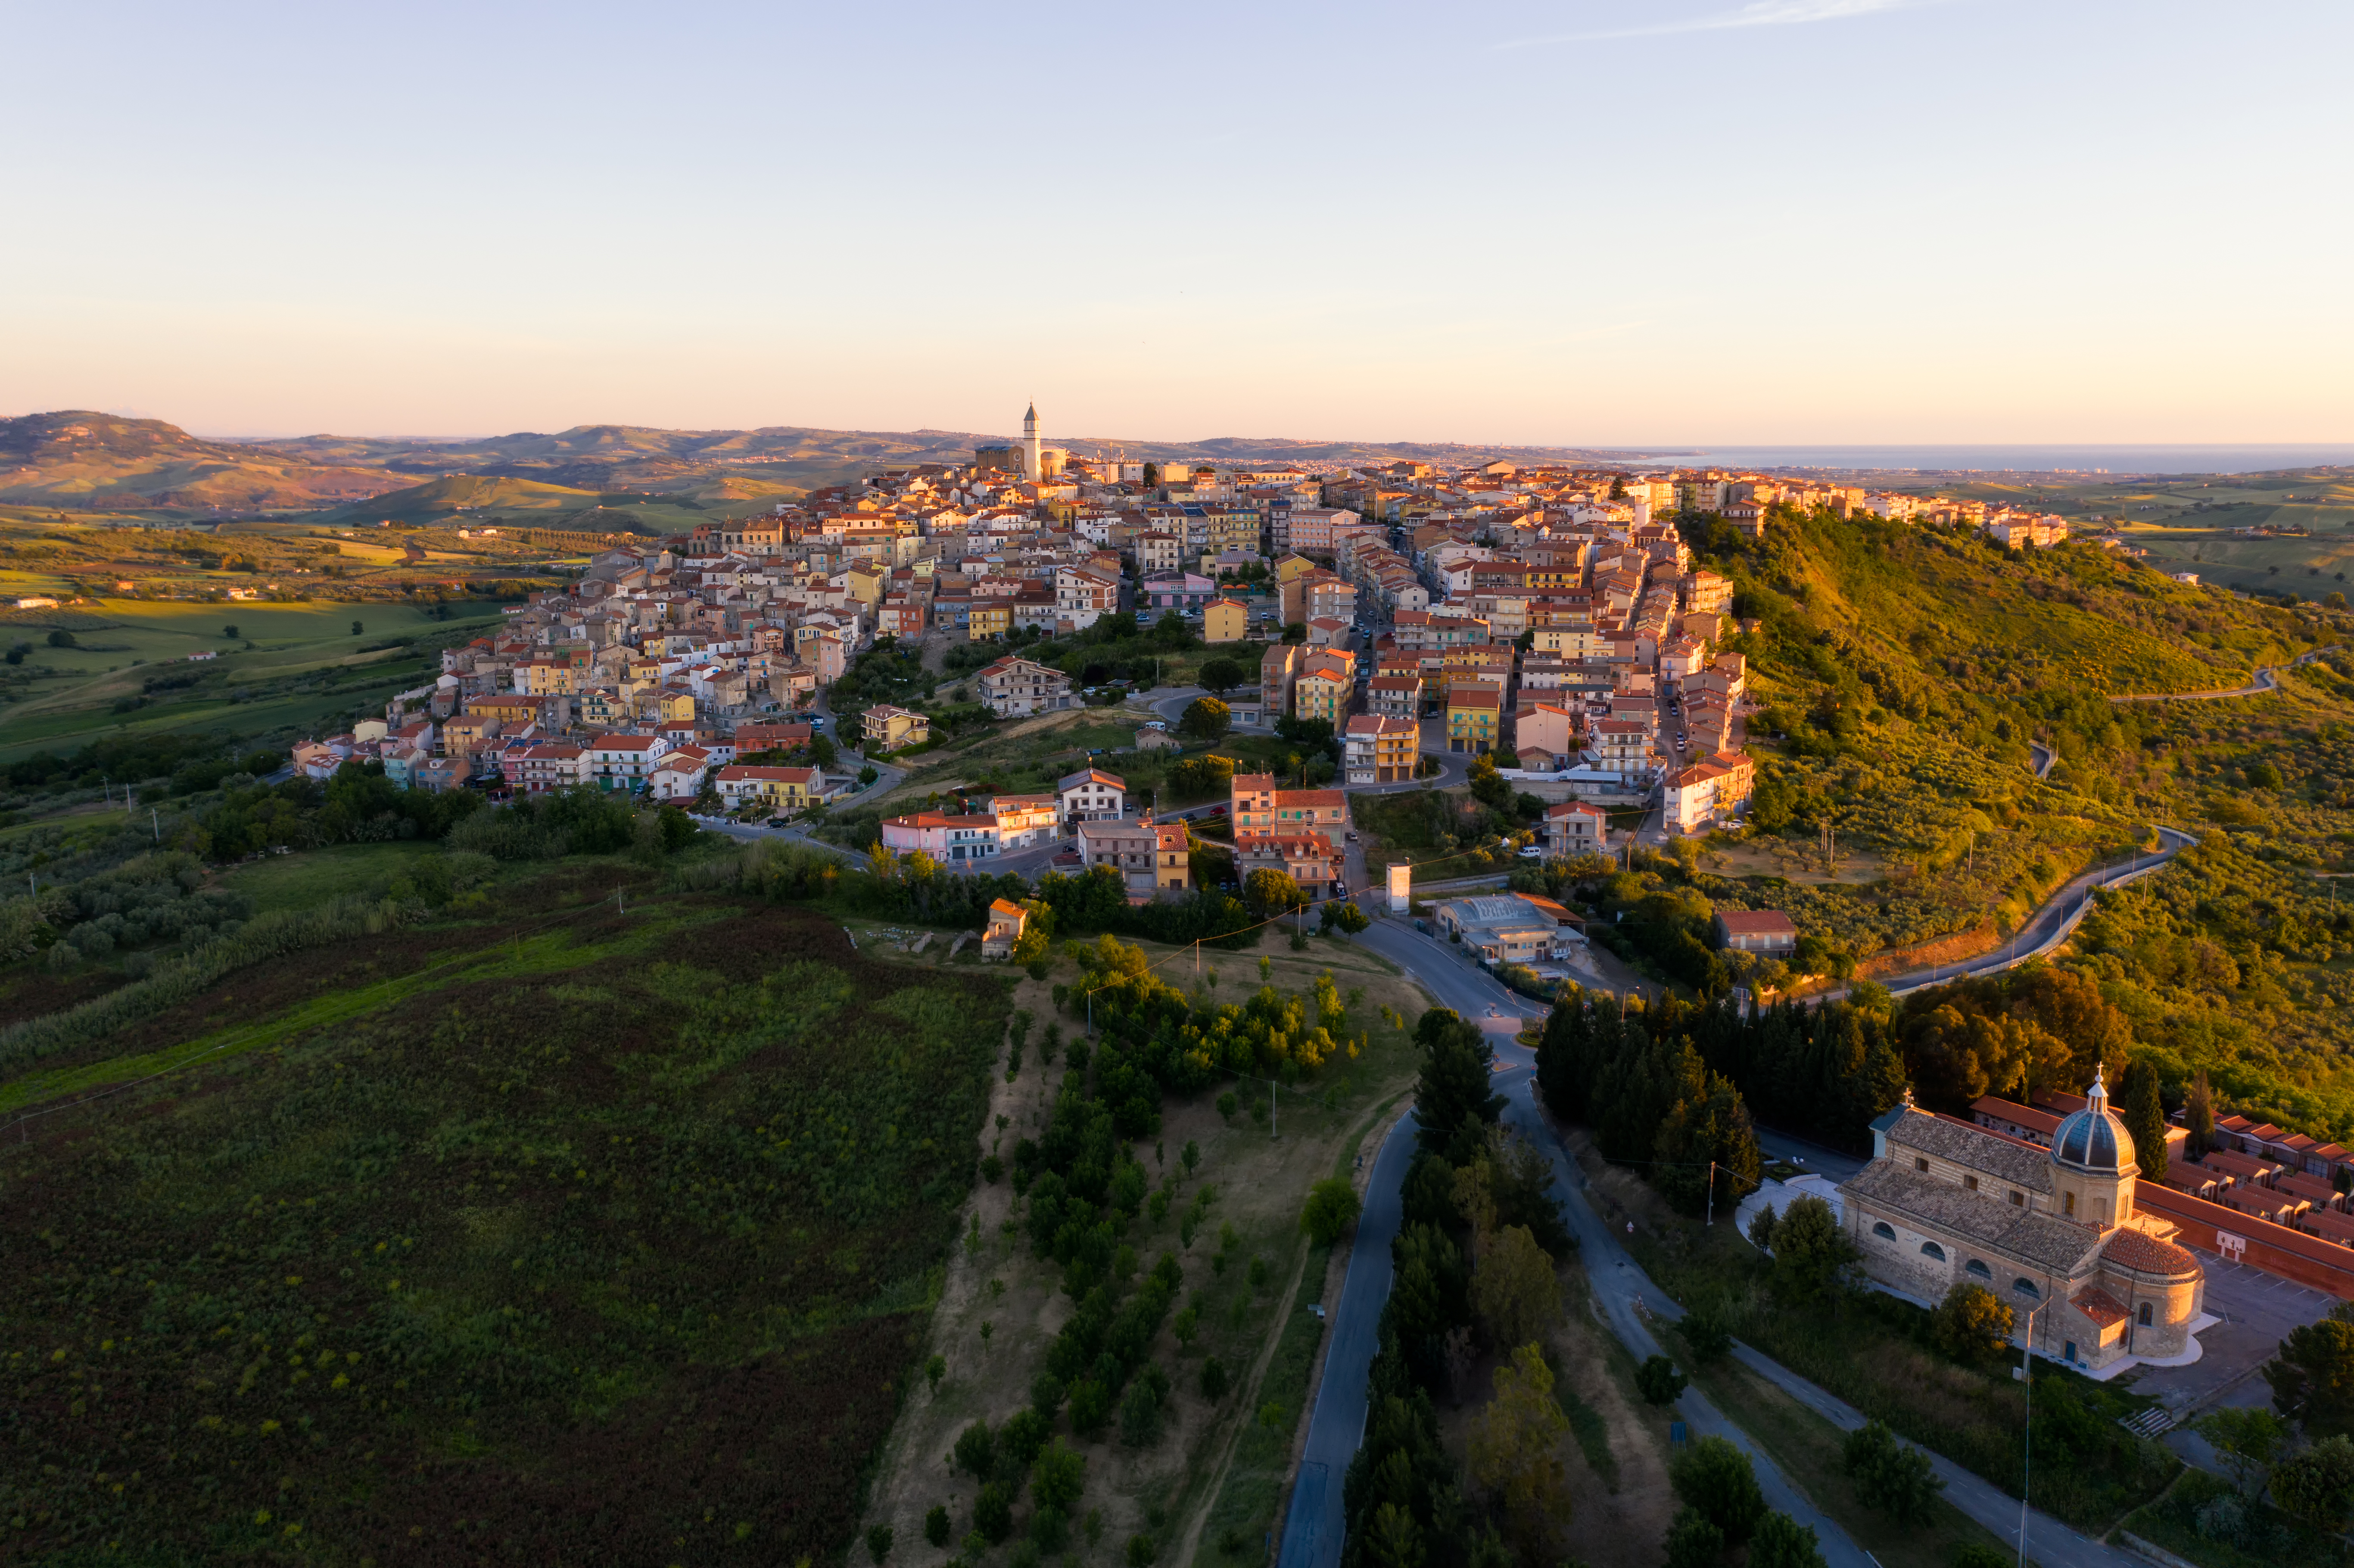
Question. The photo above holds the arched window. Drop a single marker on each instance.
(2144, 1318)
(2026, 1287)
(1931, 1249)
(1884, 1231)
(1978, 1270)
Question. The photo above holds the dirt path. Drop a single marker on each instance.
(1243, 1406)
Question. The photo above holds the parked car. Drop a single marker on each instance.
(1533, 853)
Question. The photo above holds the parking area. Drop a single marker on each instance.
(2257, 1309)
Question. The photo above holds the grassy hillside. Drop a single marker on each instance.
(613, 1243)
(1903, 675)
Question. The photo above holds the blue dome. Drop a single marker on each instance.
(2093, 1138)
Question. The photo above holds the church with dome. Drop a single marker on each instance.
(2053, 1232)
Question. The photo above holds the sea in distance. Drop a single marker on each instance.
(2089, 460)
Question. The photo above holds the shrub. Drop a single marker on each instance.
(1782, 1541)
(1090, 1406)
(993, 1512)
(935, 1525)
(1705, 1335)
(1972, 1323)
(1897, 1480)
(1693, 1541)
(1715, 1477)
(1139, 1414)
(1213, 1380)
(2317, 1485)
(1659, 1381)
(878, 1542)
(1058, 1476)
(1022, 1438)
(976, 1451)
(1140, 1552)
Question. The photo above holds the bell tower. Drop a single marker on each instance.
(1033, 468)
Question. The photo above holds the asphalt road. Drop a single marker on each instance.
(2051, 925)
(2267, 678)
(1336, 1428)
(1627, 1299)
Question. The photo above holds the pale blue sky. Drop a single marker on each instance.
(1798, 220)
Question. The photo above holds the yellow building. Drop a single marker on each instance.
(893, 727)
(669, 703)
(601, 708)
(866, 584)
(1236, 531)
(1572, 640)
(1322, 692)
(547, 677)
(1291, 566)
(989, 619)
(1224, 620)
(778, 789)
(1472, 713)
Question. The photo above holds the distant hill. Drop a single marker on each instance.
(86, 461)
(438, 498)
(91, 462)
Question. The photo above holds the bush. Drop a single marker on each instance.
(878, 1542)
(1330, 1210)
(1057, 1477)
(1716, 1479)
(1659, 1381)
(1782, 1542)
(1213, 1380)
(2317, 1485)
(1705, 1335)
(935, 1525)
(1090, 1406)
(1972, 1323)
(976, 1451)
(1897, 1480)
(1693, 1541)
(993, 1512)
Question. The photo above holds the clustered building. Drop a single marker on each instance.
(1411, 588)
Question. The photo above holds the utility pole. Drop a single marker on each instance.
(155, 822)
(1711, 1192)
(2027, 1443)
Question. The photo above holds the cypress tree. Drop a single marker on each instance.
(2137, 1105)
(1454, 1084)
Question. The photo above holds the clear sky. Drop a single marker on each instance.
(1581, 222)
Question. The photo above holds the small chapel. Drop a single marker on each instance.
(2052, 1232)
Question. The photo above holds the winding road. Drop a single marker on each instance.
(2267, 680)
(2051, 925)
(1625, 1298)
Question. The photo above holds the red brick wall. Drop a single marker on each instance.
(2275, 1249)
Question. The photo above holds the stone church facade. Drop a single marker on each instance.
(2052, 1232)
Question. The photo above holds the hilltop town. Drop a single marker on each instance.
(1550, 620)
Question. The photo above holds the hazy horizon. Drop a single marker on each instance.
(1807, 221)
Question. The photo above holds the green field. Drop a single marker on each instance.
(612, 1245)
(305, 668)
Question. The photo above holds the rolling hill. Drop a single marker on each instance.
(87, 461)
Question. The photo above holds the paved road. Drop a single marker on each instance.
(2051, 926)
(1626, 1296)
(2267, 678)
(1336, 1428)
